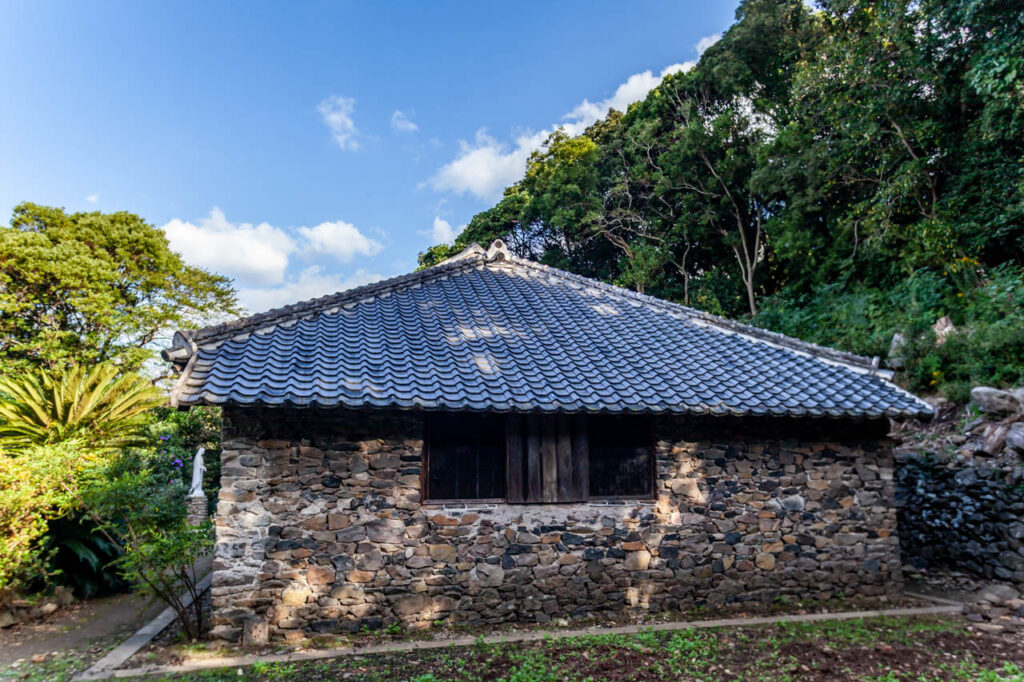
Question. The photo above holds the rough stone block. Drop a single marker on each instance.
(295, 595)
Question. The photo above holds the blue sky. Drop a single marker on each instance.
(306, 147)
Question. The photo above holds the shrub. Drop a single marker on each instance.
(36, 485)
(140, 504)
(987, 309)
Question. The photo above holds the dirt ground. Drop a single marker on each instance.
(77, 626)
(887, 649)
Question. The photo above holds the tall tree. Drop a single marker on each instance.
(840, 173)
(89, 287)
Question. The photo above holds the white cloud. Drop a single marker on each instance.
(707, 41)
(443, 232)
(251, 253)
(401, 123)
(93, 198)
(311, 283)
(342, 240)
(486, 166)
(336, 112)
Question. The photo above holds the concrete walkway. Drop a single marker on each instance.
(84, 624)
(512, 637)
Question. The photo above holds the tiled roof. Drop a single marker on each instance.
(487, 331)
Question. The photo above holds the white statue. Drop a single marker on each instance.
(198, 469)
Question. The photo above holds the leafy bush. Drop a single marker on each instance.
(79, 557)
(987, 309)
(102, 406)
(36, 485)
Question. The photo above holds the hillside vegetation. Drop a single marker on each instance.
(841, 174)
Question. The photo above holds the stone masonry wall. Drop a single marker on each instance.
(320, 527)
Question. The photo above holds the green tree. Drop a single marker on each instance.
(90, 287)
(499, 222)
(839, 173)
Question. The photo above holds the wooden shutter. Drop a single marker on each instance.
(547, 458)
(515, 466)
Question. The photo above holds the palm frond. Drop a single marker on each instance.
(99, 405)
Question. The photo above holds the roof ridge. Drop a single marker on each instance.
(274, 316)
(757, 333)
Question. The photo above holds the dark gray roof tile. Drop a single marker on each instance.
(490, 332)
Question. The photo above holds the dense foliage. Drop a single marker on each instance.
(57, 429)
(76, 552)
(37, 486)
(87, 287)
(83, 298)
(840, 174)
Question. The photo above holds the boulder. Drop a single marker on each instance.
(994, 401)
(996, 593)
(995, 438)
(1015, 437)
(63, 595)
(896, 347)
(943, 327)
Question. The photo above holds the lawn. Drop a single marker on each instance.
(890, 649)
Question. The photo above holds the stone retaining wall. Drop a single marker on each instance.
(964, 517)
(320, 527)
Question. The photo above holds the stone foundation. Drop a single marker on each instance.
(198, 512)
(320, 527)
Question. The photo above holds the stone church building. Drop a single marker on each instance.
(495, 440)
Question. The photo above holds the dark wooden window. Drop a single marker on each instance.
(621, 457)
(465, 456)
(547, 458)
(537, 458)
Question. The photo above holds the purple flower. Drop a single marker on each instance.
(178, 463)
